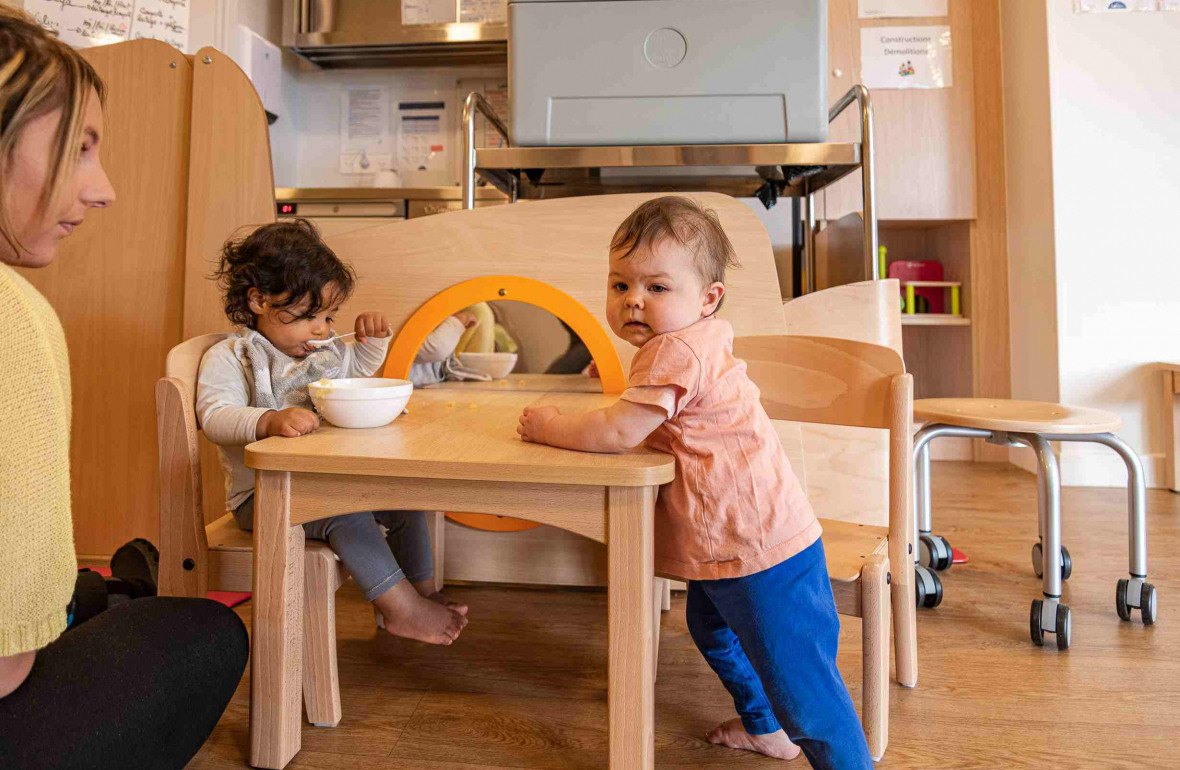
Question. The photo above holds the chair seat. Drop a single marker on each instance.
(1015, 416)
(225, 535)
(848, 545)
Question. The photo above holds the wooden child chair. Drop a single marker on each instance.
(830, 390)
(195, 558)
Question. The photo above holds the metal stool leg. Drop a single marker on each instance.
(1049, 615)
(1134, 592)
(931, 552)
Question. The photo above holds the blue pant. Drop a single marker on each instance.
(376, 562)
(772, 638)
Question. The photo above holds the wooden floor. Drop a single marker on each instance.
(525, 685)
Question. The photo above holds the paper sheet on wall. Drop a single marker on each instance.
(85, 23)
(906, 57)
(472, 11)
(424, 135)
(1102, 6)
(881, 9)
(365, 141)
(415, 12)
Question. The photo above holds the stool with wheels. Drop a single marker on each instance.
(1032, 424)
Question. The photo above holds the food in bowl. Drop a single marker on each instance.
(360, 402)
(495, 365)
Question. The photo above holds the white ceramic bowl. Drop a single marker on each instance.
(363, 402)
(495, 365)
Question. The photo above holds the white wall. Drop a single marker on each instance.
(1114, 101)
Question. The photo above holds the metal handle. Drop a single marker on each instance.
(476, 103)
(860, 94)
(318, 16)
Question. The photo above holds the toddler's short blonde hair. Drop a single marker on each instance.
(685, 221)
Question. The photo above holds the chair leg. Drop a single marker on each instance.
(436, 526)
(658, 587)
(905, 627)
(321, 680)
(875, 613)
(666, 597)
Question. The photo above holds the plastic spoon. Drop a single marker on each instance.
(329, 341)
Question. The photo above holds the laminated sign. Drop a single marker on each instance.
(906, 57)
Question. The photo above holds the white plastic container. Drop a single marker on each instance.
(495, 365)
(367, 402)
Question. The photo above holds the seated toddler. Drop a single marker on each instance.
(283, 286)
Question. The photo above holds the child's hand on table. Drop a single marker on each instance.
(591, 369)
(290, 423)
(533, 422)
(467, 319)
(372, 324)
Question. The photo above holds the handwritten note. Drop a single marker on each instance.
(85, 23)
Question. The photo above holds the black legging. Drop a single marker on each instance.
(140, 686)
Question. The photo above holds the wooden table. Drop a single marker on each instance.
(537, 383)
(455, 450)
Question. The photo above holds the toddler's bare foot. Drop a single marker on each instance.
(734, 735)
(408, 614)
(441, 598)
(425, 588)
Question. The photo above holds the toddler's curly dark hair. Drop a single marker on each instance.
(289, 262)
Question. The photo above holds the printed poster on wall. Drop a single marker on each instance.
(906, 57)
(365, 142)
(882, 9)
(102, 22)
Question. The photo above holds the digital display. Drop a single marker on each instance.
(288, 209)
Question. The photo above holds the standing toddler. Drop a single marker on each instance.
(283, 286)
(734, 522)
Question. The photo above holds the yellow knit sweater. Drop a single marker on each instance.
(37, 562)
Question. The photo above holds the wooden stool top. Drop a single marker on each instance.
(1015, 416)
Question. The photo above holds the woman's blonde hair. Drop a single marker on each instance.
(39, 74)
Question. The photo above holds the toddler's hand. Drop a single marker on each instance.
(467, 319)
(289, 423)
(591, 369)
(372, 324)
(533, 422)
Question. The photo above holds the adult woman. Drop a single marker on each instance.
(143, 684)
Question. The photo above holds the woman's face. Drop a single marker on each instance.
(37, 230)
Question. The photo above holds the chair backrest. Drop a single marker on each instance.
(867, 311)
(844, 411)
(182, 518)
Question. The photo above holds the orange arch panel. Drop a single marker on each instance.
(504, 287)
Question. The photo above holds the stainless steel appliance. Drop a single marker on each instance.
(382, 33)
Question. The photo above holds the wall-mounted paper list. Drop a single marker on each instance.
(85, 23)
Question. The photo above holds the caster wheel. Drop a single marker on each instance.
(1120, 599)
(1037, 561)
(946, 556)
(1034, 623)
(928, 588)
(1063, 627)
(1147, 604)
(935, 552)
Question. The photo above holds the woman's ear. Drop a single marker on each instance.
(256, 301)
(711, 298)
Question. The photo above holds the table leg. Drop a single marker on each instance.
(631, 692)
(276, 674)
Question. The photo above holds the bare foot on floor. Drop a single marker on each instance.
(732, 734)
(444, 600)
(409, 615)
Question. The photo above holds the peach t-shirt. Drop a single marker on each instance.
(735, 506)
